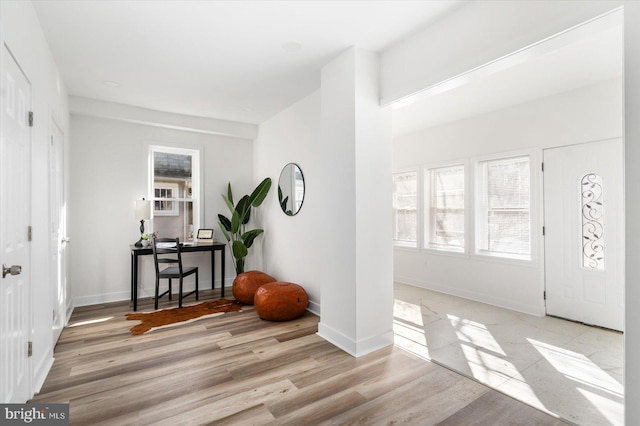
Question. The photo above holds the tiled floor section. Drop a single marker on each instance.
(568, 369)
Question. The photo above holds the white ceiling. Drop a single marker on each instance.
(247, 60)
(232, 60)
(588, 54)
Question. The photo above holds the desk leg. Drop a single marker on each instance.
(131, 293)
(134, 282)
(213, 269)
(222, 271)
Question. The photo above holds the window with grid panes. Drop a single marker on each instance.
(503, 225)
(174, 181)
(405, 204)
(445, 213)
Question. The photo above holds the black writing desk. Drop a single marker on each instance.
(186, 248)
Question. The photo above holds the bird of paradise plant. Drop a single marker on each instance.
(238, 238)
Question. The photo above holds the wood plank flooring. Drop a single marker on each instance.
(237, 369)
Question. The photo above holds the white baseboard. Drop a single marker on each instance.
(352, 347)
(374, 343)
(313, 307)
(42, 371)
(69, 312)
(97, 299)
(142, 292)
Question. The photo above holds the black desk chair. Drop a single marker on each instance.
(167, 250)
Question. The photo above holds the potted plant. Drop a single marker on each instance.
(234, 228)
(146, 239)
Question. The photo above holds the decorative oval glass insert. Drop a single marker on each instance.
(592, 222)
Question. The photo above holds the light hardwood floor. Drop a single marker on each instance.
(239, 369)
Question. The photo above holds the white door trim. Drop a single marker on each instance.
(584, 241)
(16, 309)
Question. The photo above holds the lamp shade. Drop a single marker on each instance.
(143, 209)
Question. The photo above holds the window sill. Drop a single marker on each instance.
(506, 258)
(404, 246)
(446, 251)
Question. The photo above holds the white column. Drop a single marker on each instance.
(357, 292)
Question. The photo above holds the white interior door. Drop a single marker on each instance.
(15, 163)
(58, 239)
(584, 227)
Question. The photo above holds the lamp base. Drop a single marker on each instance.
(139, 243)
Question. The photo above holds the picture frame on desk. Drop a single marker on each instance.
(205, 235)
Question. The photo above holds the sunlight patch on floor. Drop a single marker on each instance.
(563, 368)
(476, 333)
(409, 329)
(94, 321)
(412, 346)
(609, 408)
(579, 368)
(487, 367)
(408, 312)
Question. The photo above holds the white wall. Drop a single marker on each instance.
(109, 172)
(21, 32)
(339, 245)
(590, 114)
(632, 200)
(290, 243)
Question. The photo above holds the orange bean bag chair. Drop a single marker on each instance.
(245, 285)
(280, 301)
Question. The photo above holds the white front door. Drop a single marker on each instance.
(58, 239)
(584, 233)
(15, 285)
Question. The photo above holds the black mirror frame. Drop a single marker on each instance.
(283, 201)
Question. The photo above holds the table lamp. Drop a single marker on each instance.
(142, 213)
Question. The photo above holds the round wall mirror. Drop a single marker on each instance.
(291, 189)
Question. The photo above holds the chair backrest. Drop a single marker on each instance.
(166, 250)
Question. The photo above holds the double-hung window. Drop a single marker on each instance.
(503, 199)
(174, 180)
(405, 208)
(445, 208)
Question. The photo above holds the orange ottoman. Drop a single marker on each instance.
(246, 283)
(280, 301)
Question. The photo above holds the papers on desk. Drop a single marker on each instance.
(165, 245)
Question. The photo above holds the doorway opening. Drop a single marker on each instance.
(558, 93)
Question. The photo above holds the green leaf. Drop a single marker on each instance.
(228, 203)
(235, 222)
(229, 193)
(260, 193)
(224, 231)
(284, 202)
(224, 223)
(244, 209)
(280, 194)
(239, 250)
(249, 236)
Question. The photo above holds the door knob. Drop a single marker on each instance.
(13, 270)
